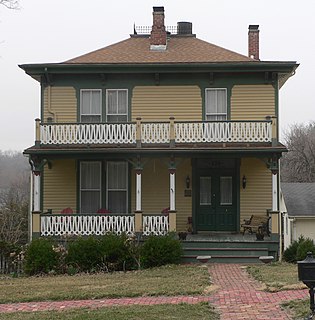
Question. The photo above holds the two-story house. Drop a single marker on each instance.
(161, 120)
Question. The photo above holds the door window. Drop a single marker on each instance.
(205, 190)
(225, 190)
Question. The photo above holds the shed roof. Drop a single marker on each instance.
(299, 198)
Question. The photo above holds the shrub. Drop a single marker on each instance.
(160, 250)
(303, 248)
(84, 254)
(40, 257)
(115, 253)
(298, 249)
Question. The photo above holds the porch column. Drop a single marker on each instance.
(172, 189)
(138, 190)
(274, 192)
(36, 191)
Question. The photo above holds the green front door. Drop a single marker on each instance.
(216, 200)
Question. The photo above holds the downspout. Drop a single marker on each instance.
(280, 214)
(49, 104)
(49, 97)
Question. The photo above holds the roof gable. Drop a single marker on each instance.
(179, 50)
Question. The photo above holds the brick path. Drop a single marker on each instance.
(237, 297)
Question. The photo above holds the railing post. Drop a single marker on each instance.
(274, 136)
(37, 132)
(138, 221)
(172, 221)
(138, 132)
(172, 132)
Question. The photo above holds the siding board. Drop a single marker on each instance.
(63, 102)
(252, 102)
(59, 188)
(153, 103)
(256, 198)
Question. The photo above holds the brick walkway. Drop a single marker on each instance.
(238, 297)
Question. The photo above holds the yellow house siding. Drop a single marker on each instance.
(63, 103)
(154, 103)
(59, 187)
(252, 102)
(256, 198)
(155, 190)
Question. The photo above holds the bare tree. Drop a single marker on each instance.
(298, 165)
(14, 204)
(10, 4)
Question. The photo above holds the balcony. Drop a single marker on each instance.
(141, 133)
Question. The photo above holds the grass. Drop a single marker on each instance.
(299, 308)
(167, 280)
(277, 276)
(166, 312)
(282, 276)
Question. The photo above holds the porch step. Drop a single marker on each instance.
(228, 251)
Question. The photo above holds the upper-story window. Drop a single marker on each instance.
(91, 105)
(216, 105)
(117, 105)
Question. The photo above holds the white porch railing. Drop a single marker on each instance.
(156, 132)
(222, 132)
(100, 133)
(61, 225)
(155, 225)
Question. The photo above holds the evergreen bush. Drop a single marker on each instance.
(40, 257)
(298, 249)
(160, 250)
(84, 254)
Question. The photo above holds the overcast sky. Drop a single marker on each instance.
(57, 30)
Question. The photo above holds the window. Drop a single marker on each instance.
(90, 186)
(117, 105)
(226, 190)
(205, 190)
(216, 106)
(117, 185)
(91, 105)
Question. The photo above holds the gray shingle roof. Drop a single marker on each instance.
(299, 198)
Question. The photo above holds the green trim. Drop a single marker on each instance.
(250, 66)
(42, 190)
(238, 193)
(194, 187)
(276, 86)
(35, 235)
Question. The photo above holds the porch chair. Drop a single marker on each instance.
(66, 210)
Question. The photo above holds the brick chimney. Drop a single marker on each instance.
(253, 42)
(158, 33)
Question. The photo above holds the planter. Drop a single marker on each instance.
(259, 236)
(182, 235)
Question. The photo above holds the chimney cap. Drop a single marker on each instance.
(158, 9)
(253, 27)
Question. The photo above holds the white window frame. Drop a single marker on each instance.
(216, 114)
(116, 114)
(81, 105)
(111, 190)
(100, 187)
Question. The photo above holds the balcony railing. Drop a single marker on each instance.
(100, 224)
(132, 133)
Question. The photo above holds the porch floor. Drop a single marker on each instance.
(225, 237)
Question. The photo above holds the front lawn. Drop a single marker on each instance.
(277, 276)
(168, 280)
(165, 312)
